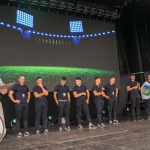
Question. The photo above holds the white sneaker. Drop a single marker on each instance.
(26, 134)
(67, 128)
(110, 122)
(101, 125)
(115, 121)
(60, 129)
(37, 132)
(91, 126)
(19, 135)
(80, 127)
(46, 131)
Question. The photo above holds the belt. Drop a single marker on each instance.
(62, 100)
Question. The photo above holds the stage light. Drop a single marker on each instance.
(83, 36)
(50, 35)
(57, 35)
(104, 33)
(33, 32)
(103, 112)
(113, 31)
(76, 26)
(68, 36)
(46, 34)
(38, 33)
(95, 34)
(108, 32)
(14, 121)
(2, 23)
(24, 19)
(54, 35)
(91, 35)
(99, 34)
(8, 25)
(14, 27)
(50, 118)
(87, 35)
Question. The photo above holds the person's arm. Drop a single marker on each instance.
(68, 94)
(139, 88)
(88, 96)
(45, 91)
(117, 91)
(97, 93)
(78, 95)
(12, 98)
(29, 96)
(131, 88)
(37, 95)
(55, 97)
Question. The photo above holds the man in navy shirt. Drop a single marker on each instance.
(98, 92)
(133, 88)
(21, 100)
(62, 99)
(81, 93)
(111, 95)
(41, 107)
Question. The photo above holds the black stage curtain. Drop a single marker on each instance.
(133, 37)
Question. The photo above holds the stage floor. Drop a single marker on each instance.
(126, 135)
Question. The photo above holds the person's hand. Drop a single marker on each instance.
(107, 97)
(87, 101)
(136, 87)
(17, 101)
(28, 100)
(83, 93)
(41, 85)
(56, 102)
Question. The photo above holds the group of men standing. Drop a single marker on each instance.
(109, 91)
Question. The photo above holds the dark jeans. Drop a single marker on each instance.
(112, 111)
(41, 109)
(135, 103)
(99, 106)
(79, 105)
(148, 106)
(21, 108)
(63, 107)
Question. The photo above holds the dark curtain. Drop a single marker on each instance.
(133, 40)
(133, 37)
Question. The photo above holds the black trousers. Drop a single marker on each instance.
(148, 106)
(41, 109)
(21, 108)
(135, 103)
(63, 107)
(112, 109)
(99, 107)
(79, 106)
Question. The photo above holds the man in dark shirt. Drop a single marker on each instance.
(40, 92)
(98, 92)
(133, 88)
(62, 99)
(112, 94)
(81, 93)
(21, 100)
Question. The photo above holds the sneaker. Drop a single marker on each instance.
(80, 127)
(46, 131)
(37, 132)
(139, 119)
(110, 122)
(148, 118)
(60, 129)
(91, 126)
(115, 121)
(19, 134)
(67, 128)
(26, 134)
(101, 125)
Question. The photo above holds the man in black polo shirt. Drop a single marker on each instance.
(98, 92)
(81, 93)
(21, 100)
(62, 99)
(112, 94)
(40, 92)
(133, 88)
